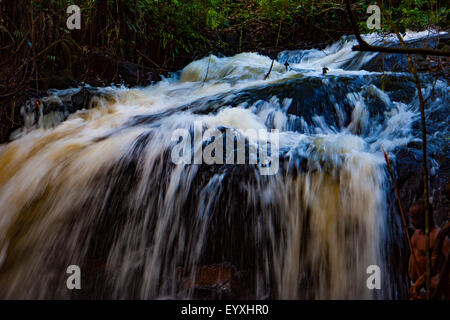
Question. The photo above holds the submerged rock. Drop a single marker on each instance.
(215, 281)
(106, 69)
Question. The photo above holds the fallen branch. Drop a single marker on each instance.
(424, 51)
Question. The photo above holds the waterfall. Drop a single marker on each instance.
(98, 188)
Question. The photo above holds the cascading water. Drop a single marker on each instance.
(100, 190)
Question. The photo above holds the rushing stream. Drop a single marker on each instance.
(98, 187)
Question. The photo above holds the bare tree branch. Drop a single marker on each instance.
(424, 51)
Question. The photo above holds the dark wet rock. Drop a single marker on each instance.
(408, 168)
(106, 69)
(440, 194)
(51, 106)
(81, 100)
(308, 96)
(55, 82)
(128, 72)
(410, 183)
(375, 104)
(58, 107)
(70, 102)
(400, 88)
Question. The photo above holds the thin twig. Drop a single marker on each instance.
(278, 38)
(207, 70)
(146, 57)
